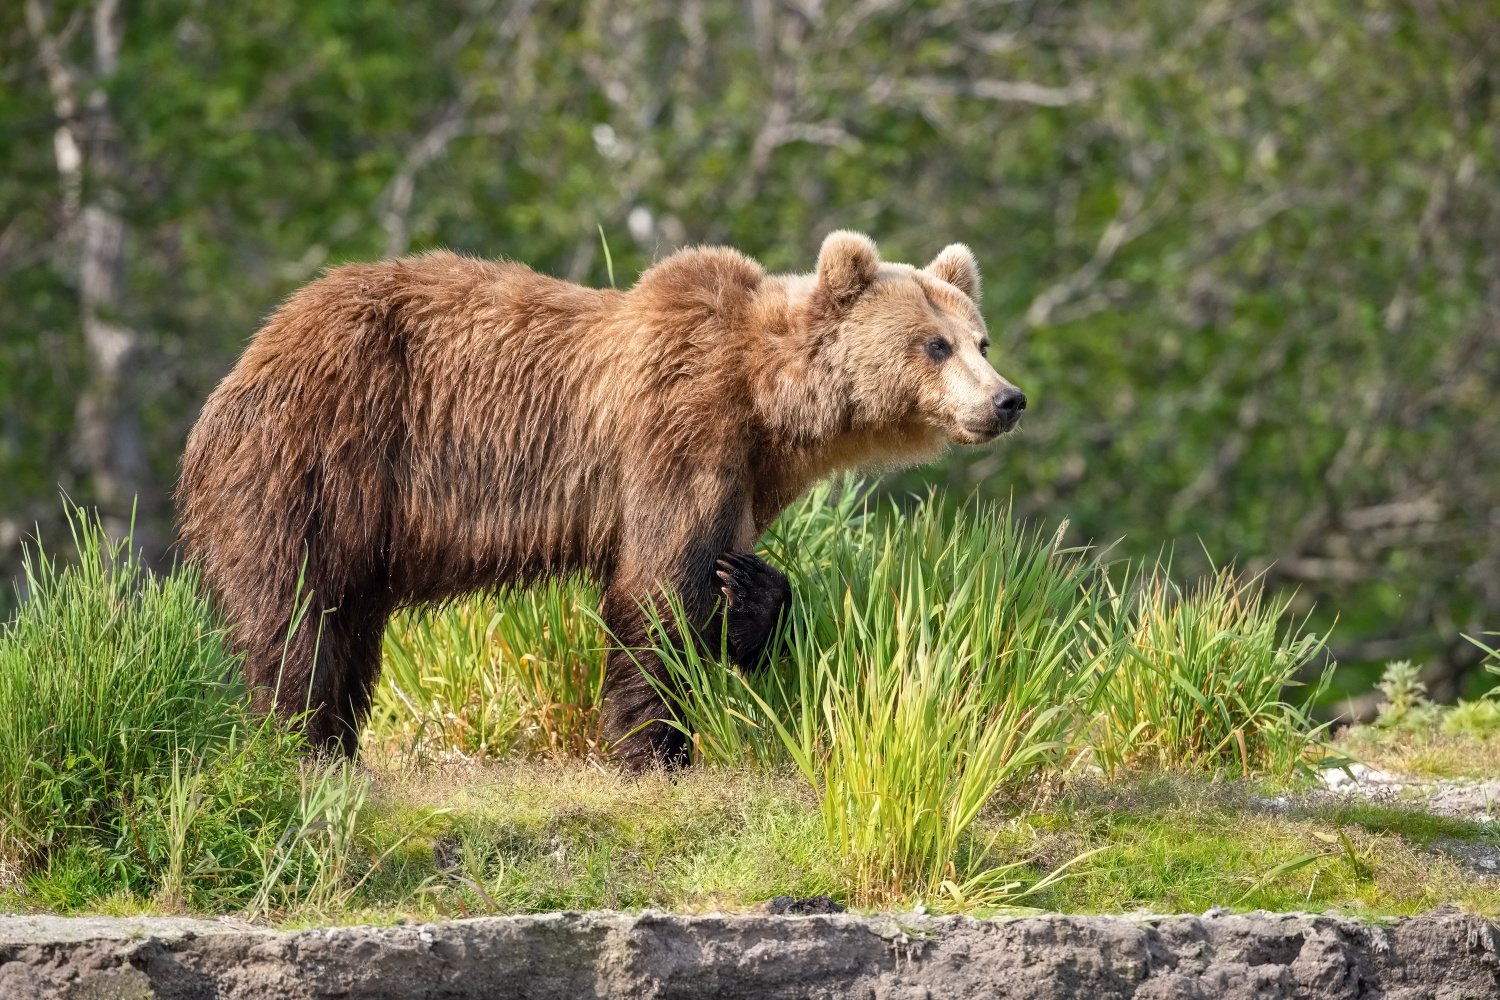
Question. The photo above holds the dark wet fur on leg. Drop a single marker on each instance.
(630, 698)
(758, 597)
(638, 737)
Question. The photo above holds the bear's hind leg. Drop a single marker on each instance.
(634, 718)
(758, 598)
(294, 663)
(316, 700)
(358, 631)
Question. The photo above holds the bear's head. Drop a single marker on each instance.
(912, 344)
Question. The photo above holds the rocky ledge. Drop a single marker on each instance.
(1444, 954)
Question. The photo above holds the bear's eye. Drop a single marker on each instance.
(938, 349)
(984, 348)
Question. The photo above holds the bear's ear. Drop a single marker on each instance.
(847, 264)
(956, 265)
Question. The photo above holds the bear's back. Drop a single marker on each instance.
(421, 400)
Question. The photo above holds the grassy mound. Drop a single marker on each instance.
(520, 835)
(934, 659)
(129, 765)
(950, 681)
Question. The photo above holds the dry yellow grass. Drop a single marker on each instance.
(1429, 755)
(537, 835)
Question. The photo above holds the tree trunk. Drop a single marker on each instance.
(87, 151)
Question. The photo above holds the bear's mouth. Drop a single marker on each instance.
(985, 431)
(999, 421)
(980, 433)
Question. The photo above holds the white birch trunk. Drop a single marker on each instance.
(87, 153)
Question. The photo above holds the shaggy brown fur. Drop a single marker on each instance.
(404, 432)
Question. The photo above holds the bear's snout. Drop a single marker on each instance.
(1009, 402)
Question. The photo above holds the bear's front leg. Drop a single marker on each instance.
(677, 551)
(634, 711)
(758, 597)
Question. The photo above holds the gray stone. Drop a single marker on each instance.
(1443, 954)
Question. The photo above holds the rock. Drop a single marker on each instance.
(1360, 778)
(1445, 953)
(805, 907)
(1477, 801)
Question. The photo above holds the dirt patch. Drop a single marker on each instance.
(573, 955)
(1474, 801)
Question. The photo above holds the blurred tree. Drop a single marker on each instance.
(91, 240)
(1242, 257)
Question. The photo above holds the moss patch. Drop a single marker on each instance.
(1180, 844)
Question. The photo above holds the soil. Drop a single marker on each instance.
(1444, 953)
(1476, 801)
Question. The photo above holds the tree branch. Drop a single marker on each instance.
(396, 199)
(394, 203)
(886, 90)
(1121, 230)
(85, 143)
(1247, 419)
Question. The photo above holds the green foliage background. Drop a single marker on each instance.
(1244, 258)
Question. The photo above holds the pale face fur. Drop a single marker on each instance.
(908, 350)
(916, 348)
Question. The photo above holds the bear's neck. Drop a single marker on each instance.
(810, 426)
(784, 470)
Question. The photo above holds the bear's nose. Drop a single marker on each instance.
(1009, 402)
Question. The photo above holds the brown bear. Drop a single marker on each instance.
(405, 432)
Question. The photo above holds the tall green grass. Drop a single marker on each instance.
(129, 763)
(942, 667)
(934, 661)
(106, 671)
(443, 682)
(516, 672)
(931, 662)
(1198, 677)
